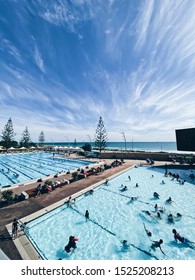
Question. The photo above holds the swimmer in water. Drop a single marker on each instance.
(170, 219)
(157, 244)
(149, 234)
(124, 189)
(156, 195)
(125, 245)
(87, 215)
(182, 239)
(71, 244)
(169, 200)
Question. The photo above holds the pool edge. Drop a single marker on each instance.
(24, 245)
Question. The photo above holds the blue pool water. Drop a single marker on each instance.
(113, 218)
(30, 166)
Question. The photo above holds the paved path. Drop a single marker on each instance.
(27, 207)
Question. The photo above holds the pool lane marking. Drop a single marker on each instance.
(96, 223)
(114, 234)
(76, 210)
(59, 162)
(126, 196)
(6, 173)
(27, 167)
(16, 170)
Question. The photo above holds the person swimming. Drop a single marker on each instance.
(156, 207)
(182, 239)
(169, 200)
(158, 215)
(125, 245)
(170, 219)
(149, 234)
(133, 198)
(157, 244)
(124, 189)
(149, 214)
(146, 212)
(156, 195)
(71, 244)
(178, 216)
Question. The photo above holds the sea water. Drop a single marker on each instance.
(133, 146)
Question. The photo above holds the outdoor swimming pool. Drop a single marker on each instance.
(17, 168)
(113, 218)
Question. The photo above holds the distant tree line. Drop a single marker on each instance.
(8, 137)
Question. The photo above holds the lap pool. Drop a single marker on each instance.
(113, 217)
(17, 168)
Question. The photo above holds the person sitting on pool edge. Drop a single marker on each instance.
(71, 244)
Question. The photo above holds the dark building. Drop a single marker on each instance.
(185, 139)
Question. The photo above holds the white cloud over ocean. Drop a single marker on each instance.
(130, 62)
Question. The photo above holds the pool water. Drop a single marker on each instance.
(113, 218)
(17, 168)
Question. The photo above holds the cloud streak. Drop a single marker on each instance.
(132, 63)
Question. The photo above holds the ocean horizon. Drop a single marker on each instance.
(129, 146)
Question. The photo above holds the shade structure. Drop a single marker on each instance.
(12, 148)
(78, 149)
(65, 148)
(32, 147)
(60, 148)
(22, 148)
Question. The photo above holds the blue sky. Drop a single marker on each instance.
(63, 64)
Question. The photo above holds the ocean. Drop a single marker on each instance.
(130, 146)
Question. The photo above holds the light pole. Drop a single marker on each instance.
(89, 138)
(68, 141)
(124, 138)
(90, 141)
(52, 142)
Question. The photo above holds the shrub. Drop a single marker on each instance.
(48, 182)
(7, 195)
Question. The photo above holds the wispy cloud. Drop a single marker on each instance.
(38, 59)
(8, 47)
(132, 62)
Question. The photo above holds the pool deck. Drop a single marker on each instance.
(31, 206)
